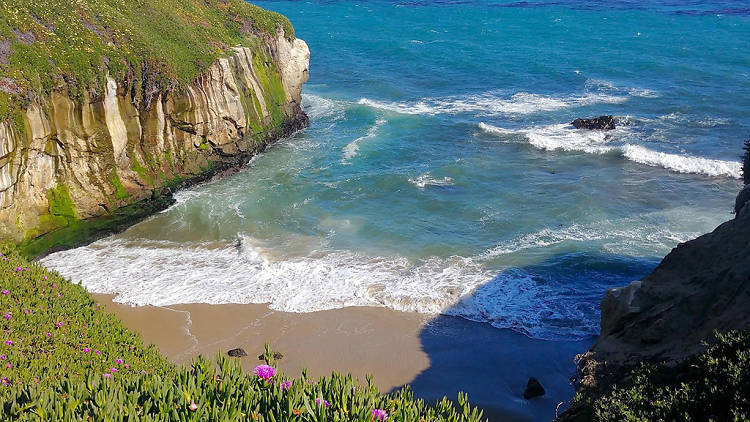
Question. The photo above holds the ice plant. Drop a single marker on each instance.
(322, 402)
(379, 415)
(193, 406)
(59, 324)
(86, 350)
(2, 357)
(8, 342)
(265, 371)
(118, 361)
(49, 334)
(6, 292)
(113, 370)
(7, 315)
(106, 375)
(284, 385)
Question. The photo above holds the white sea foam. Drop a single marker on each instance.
(424, 180)
(490, 104)
(563, 137)
(161, 273)
(682, 163)
(319, 107)
(351, 149)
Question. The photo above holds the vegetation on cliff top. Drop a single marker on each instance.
(711, 386)
(63, 358)
(147, 45)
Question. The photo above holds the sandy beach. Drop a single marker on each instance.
(436, 355)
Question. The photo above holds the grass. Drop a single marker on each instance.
(63, 358)
(144, 44)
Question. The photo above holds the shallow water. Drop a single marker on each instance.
(439, 173)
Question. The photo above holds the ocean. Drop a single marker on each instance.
(440, 173)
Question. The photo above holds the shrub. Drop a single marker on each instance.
(711, 386)
(68, 360)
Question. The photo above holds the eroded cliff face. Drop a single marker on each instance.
(701, 286)
(77, 160)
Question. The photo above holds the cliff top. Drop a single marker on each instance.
(148, 44)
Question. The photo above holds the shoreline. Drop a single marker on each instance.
(437, 355)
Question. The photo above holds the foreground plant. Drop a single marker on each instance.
(63, 358)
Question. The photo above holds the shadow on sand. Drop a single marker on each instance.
(493, 365)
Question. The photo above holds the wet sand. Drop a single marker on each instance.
(437, 355)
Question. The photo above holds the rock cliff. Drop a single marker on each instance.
(702, 285)
(81, 159)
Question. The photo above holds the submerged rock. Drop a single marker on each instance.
(237, 353)
(533, 389)
(596, 123)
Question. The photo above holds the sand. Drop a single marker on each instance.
(437, 355)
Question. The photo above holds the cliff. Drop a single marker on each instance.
(70, 155)
(700, 286)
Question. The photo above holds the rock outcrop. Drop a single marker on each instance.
(596, 123)
(702, 285)
(76, 160)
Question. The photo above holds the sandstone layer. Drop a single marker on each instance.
(77, 160)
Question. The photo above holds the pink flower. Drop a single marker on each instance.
(6, 292)
(4, 381)
(5, 259)
(265, 371)
(127, 366)
(118, 361)
(46, 278)
(2, 357)
(322, 402)
(49, 334)
(86, 350)
(106, 375)
(379, 415)
(27, 311)
(19, 269)
(284, 385)
(59, 324)
(98, 352)
(8, 342)
(8, 366)
(7, 315)
(54, 285)
(113, 370)
(193, 406)
(59, 295)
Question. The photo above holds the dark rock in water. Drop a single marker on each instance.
(597, 123)
(533, 389)
(742, 199)
(237, 353)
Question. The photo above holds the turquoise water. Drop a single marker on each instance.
(439, 173)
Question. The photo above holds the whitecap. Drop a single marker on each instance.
(563, 137)
(351, 149)
(424, 180)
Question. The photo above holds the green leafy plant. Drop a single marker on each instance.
(711, 386)
(63, 358)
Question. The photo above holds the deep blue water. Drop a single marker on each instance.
(439, 172)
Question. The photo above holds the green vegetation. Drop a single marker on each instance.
(711, 386)
(63, 358)
(120, 192)
(78, 232)
(746, 162)
(52, 44)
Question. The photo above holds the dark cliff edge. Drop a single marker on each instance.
(701, 287)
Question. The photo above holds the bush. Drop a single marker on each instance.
(65, 359)
(712, 386)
